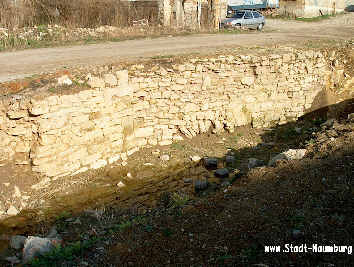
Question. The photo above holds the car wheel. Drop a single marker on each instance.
(260, 26)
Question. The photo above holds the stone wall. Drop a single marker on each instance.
(157, 105)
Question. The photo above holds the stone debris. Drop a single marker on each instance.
(230, 160)
(64, 80)
(222, 173)
(13, 260)
(195, 158)
(12, 211)
(121, 184)
(210, 163)
(17, 192)
(291, 154)
(35, 246)
(200, 184)
(253, 163)
(165, 157)
(17, 241)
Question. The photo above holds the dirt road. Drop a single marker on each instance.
(14, 65)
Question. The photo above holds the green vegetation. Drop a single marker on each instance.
(60, 253)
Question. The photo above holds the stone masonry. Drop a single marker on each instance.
(146, 106)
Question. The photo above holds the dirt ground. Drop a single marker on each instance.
(165, 222)
(20, 64)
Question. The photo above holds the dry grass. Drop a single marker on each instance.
(78, 13)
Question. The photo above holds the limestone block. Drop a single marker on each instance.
(144, 132)
(50, 124)
(23, 147)
(38, 107)
(22, 159)
(96, 148)
(117, 145)
(95, 82)
(190, 107)
(152, 141)
(17, 114)
(110, 79)
(21, 130)
(82, 119)
(4, 139)
(114, 158)
(181, 81)
(122, 77)
(98, 164)
(91, 159)
(165, 142)
(247, 80)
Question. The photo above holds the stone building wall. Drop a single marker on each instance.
(130, 109)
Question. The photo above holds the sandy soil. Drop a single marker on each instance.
(20, 64)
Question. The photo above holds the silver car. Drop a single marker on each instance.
(245, 18)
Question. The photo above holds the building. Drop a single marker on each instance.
(312, 8)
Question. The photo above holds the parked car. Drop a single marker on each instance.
(245, 18)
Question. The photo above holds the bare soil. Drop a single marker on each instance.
(306, 201)
(20, 64)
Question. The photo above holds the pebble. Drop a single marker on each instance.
(13, 260)
(188, 180)
(253, 163)
(165, 157)
(222, 173)
(12, 211)
(195, 158)
(120, 184)
(17, 241)
(210, 163)
(200, 184)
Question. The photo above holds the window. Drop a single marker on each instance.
(248, 15)
(238, 15)
(256, 15)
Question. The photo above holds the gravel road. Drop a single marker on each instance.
(20, 64)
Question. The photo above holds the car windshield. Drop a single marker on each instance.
(238, 15)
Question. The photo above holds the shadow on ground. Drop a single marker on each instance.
(308, 201)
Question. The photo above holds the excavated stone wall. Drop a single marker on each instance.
(146, 106)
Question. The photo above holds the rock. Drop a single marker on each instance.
(17, 241)
(110, 79)
(210, 163)
(120, 184)
(96, 82)
(195, 158)
(247, 80)
(291, 154)
(12, 211)
(156, 152)
(165, 157)
(35, 246)
(12, 260)
(222, 173)
(230, 160)
(53, 233)
(17, 192)
(225, 184)
(77, 221)
(200, 184)
(296, 233)
(328, 123)
(298, 130)
(253, 163)
(188, 180)
(64, 80)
